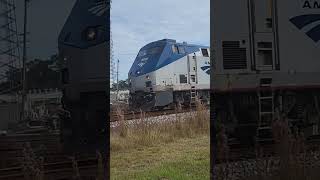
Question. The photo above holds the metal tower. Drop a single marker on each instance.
(10, 61)
(112, 64)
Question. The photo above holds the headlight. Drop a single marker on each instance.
(91, 34)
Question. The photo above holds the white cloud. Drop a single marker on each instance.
(138, 22)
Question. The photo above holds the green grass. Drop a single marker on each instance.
(174, 149)
(185, 158)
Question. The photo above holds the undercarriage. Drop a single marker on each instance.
(166, 99)
(247, 116)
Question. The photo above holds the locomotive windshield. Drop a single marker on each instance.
(151, 51)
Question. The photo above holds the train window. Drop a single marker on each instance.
(181, 50)
(174, 49)
(205, 52)
(193, 78)
(266, 57)
(183, 79)
(155, 50)
(142, 53)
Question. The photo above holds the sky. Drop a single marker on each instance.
(135, 23)
(45, 21)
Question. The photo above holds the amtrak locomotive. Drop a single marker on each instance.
(266, 65)
(166, 73)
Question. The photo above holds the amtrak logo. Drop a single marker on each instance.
(206, 69)
(143, 62)
(311, 5)
(99, 9)
(301, 22)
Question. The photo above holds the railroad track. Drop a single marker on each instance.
(55, 170)
(55, 163)
(114, 116)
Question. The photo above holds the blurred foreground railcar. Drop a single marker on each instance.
(84, 46)
(266, 66)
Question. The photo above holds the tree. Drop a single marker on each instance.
(40, 74)
(123, 85)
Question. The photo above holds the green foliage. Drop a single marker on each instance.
(185, 159)
(123, 85)
(40, 74)
(168, 148)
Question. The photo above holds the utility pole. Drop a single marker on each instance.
(117, 79)
(24, 58)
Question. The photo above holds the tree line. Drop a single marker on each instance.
(42, 74)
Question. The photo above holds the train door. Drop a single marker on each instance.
(192, 67)
(263, 34)
(193, 79)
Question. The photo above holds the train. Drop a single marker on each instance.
(83, 44)
(166, 74)
(265, 66)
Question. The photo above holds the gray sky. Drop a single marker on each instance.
(45, 20)
(135, 23)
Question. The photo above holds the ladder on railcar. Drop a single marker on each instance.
(266, 111)
(193, 95)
